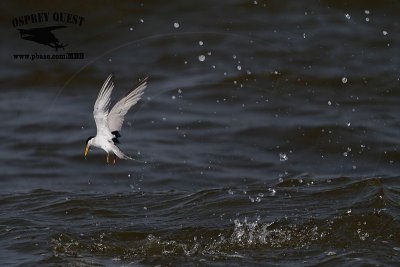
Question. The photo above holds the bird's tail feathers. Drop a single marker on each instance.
(120, 154)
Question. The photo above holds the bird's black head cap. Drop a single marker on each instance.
(90, 137)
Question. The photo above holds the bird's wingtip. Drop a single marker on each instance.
(144, 80)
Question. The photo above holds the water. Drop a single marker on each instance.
(268, 135)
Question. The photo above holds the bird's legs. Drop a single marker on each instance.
(114, 158)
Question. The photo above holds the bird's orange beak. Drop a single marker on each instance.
(87, 150)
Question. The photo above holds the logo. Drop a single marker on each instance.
(43, 36)
(46, 28)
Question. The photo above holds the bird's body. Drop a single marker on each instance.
(109, 123)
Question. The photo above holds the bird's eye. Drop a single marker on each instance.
(87, 140)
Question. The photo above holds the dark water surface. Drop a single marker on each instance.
(268, 135)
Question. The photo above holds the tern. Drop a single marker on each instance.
(109, 123)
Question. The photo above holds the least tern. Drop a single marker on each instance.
(109, 123)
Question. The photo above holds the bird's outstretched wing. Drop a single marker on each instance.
(118, 112)
(100, 111)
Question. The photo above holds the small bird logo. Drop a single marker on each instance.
(43, 36)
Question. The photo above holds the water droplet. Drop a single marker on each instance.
(367, 19)
(348, 124)
(202, 58)
(366, 11)
(141, 20)
(239, 67)
(272, 191)
(344, 80)
(385, 33)
(201, 43)
(329, 103)
(179, 91)
(347, 16)
(255, 2)
(176, 25)
(283, 157)
(173, 97)
(131, 29)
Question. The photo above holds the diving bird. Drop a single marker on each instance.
(109, 123)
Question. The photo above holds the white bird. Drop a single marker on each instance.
(109, 123)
